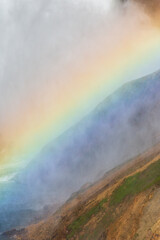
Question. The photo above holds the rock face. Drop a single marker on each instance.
(124, 204)
(152, 8)
(13, 232)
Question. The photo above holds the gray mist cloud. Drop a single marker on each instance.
(39, 42)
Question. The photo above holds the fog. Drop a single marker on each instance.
(44, 46)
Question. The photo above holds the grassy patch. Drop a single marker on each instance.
(106, 220)
(137, 183)
(77, 225)
(129, 188)
(135, 236)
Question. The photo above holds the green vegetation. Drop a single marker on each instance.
(129, 188)
(137, 183)
(135, 236)
(107, 218)
(77, 225)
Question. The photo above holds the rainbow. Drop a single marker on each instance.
(106, 72)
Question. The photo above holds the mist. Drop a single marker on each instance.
(45, 46)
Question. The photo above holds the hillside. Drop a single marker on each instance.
(124, 125)
(94, 146)
(124, 204)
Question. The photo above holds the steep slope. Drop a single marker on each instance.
(124, 204)
(120, 128)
